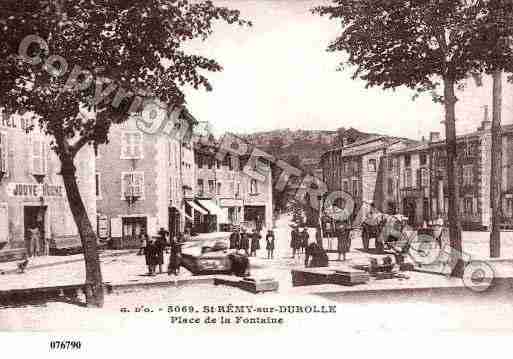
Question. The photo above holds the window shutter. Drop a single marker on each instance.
(138, 184)
(124, 145)
(4, 223)
(4, 154)
(37, 156)
(137, 144)
(125, 184)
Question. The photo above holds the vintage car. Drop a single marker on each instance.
(208, 258)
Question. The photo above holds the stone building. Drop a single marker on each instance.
(142, 181)
(32, 193)
(357, 168)
(227, 194)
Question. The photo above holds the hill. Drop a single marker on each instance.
(303, 148)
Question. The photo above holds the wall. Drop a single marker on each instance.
(59, 223)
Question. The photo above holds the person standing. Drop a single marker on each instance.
(175, 257)
(304, 239)
(35, 238)
(160, 246)
(294, 241)
(269, 239)
(235, 239)
(150, 252)
(143, 238)
(255, 242)
(343, 240)
(244, 242)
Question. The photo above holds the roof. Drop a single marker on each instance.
(372, 138)
(411, 148)
(354, 152)
(504, 129)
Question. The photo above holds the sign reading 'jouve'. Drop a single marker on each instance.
(34, 190)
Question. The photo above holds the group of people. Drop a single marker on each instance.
(153, 251)
(298, 241)
(250, 242)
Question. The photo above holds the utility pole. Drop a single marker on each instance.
(496, 167)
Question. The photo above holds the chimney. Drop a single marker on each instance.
(486, 124)
(434, 136)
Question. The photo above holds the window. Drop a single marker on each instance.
(131, 145)
(218, 188)
(211, 186)
(218, 164)
(407, 178)
(254, 186)
(468, 205)
(210, 161)
(4, 223)
(390, 186)
(344, 167)
(201, 187)
(424, 177)
(407, 161)
(98, 185)
(468, 175)
(509, 207)
(372, 165)
(132, 184)
(390, 164)
(355, 167)
(346, 186)
(355, 188)
(423, 159)
(39, 160)
(4, 152)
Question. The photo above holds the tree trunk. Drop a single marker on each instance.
(496, 171)
(94, 283)
(452, 184)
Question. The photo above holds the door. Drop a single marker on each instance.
(34, 218)
(409, 211)
(174, 221)
(133, 227)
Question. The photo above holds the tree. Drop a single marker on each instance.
(422, 45)
(496, 29)
(80, 67)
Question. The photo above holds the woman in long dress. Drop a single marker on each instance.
(175, 257)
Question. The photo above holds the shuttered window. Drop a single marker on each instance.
(131, 145)
(132, 184)
(38, 156)
(4, 223)
(4, 153)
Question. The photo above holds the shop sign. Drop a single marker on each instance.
(230, 203)
(34, 190)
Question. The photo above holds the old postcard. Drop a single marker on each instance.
(177, 168)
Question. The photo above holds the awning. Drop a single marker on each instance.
(214, 209)
(197, 208)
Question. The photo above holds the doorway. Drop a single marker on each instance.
(133, 227)
(409, 210)
(174, 222)
(34, 228)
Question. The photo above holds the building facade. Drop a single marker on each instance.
(141, 183)
(230, 195)
(32, 193)
(411, 179)
(357, 168)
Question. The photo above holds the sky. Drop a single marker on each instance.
(277, 74)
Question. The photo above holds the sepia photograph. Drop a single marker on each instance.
(182, 168)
